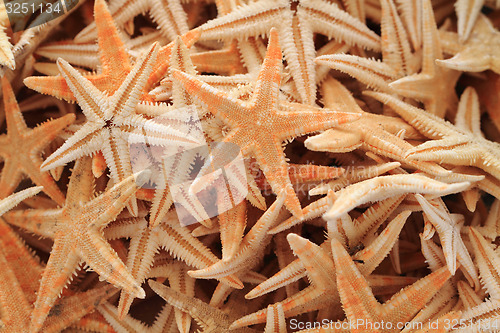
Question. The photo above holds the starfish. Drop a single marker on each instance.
(114, 61)
(434, 85)
(396, 55)
(209, 318)
(320, 269)
(21, 148)
(374, 133)
(468, 12)
(359, 303)
(450, 144)
(266, 123)
(76, 231)
(478, 53)
(298, 22)
(383, 187)
(448, 228)
(20, 277)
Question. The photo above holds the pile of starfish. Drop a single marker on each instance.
(368, 197)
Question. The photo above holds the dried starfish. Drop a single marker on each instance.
(450, 144)
(21, 148)
(478, 53)
(75, 229)
(274, 124)
(434, 85)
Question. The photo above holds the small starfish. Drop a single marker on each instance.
(450, 144)
(211, 319)
(75, 229)
(20, 277)
(448, 228)
(383, 187)
(468, 12)
(479, 53)
(260, 136)
(372, 132)
(114, 61)
(359, 303)
(434, 85)
(21, 148)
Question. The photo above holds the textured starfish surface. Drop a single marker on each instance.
(21, 148)
(114, 61)
(308, 162)
(19, 282)
(450, 144)
(478, 54)
(442, 96)
(75, 229)
(273, 125)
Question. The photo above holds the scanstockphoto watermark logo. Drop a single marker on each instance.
(23, 14)
(204, 179)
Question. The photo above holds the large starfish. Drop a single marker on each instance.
(260, 125)
(21, 148)
(76, 231)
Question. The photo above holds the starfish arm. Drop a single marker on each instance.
(245, 21)
(298, 48)
(113, 56)
(373, 255)
(375, 74)
(316, 261)
(411, 15)
(84, 142)
(83, 55)
(275, 319)
(328, 19)
(40, 222)
(142, 249)
(63, 262)
(303, 120)
(101, 258)
(335, 140)
(11, 293)
(75, 307)
(356, 194)
(471, 62)
(395, 44)
(10, 178)
(6, 55)
(232, 226)
(430, 125)
(14, 199)
(467, 13)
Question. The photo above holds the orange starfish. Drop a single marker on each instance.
(260, 125)
(76, 230)
(21, 148)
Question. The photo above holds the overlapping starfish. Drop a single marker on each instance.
(385, 221)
